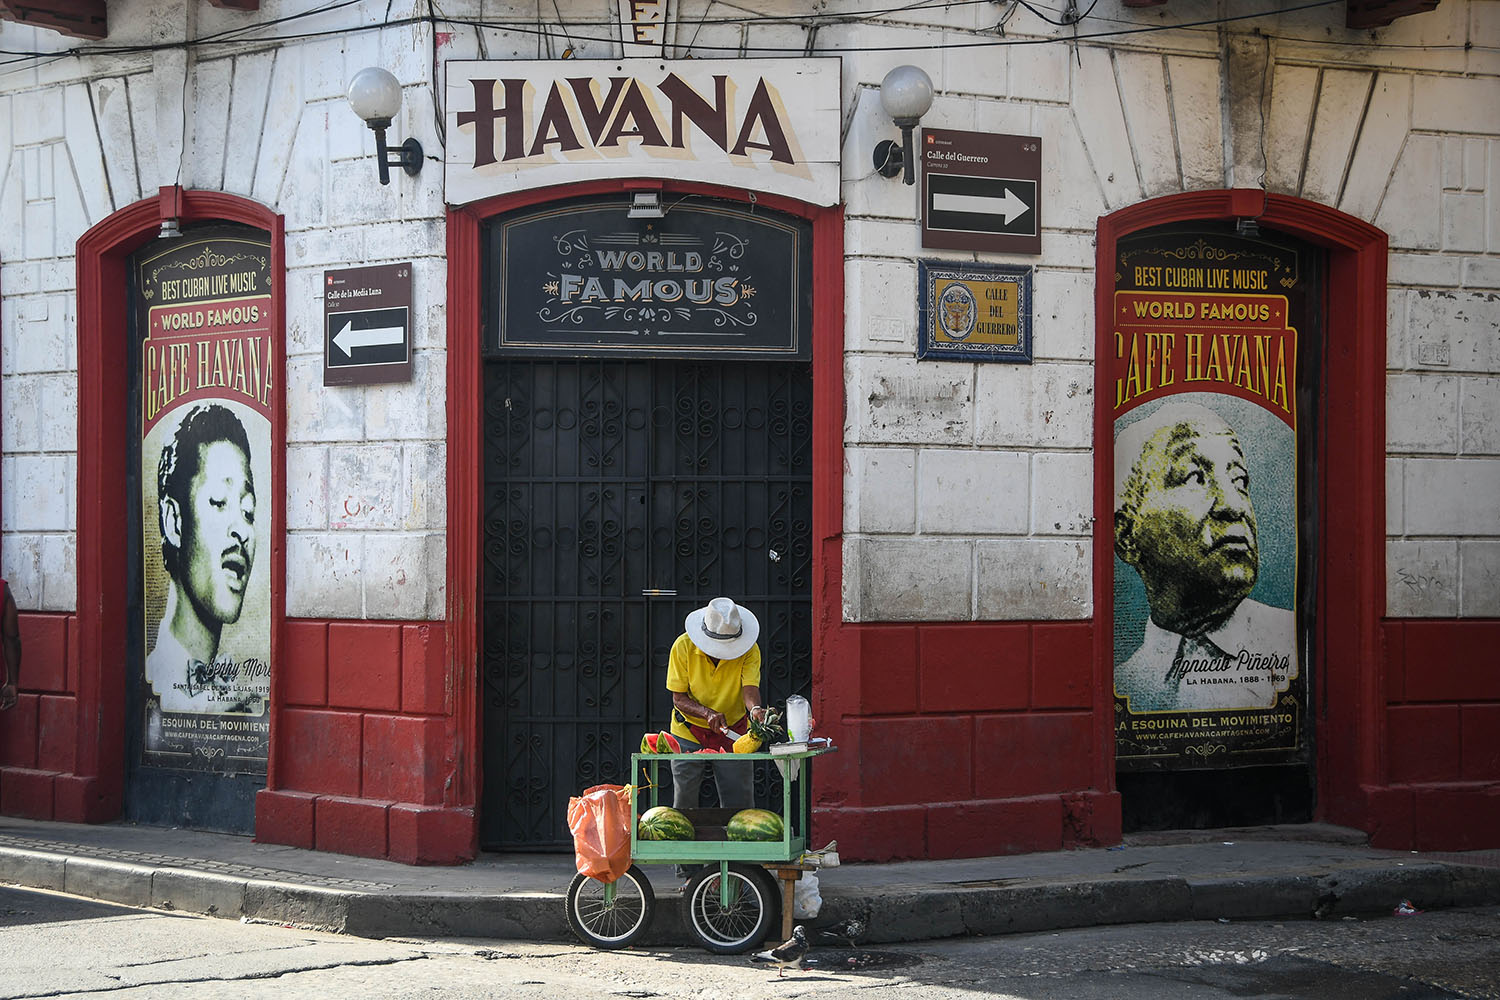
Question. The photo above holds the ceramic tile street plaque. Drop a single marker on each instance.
(981, 191)
(974, 312)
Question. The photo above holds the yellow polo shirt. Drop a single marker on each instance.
(717, 687)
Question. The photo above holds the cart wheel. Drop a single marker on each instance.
(744, 922)
(606, 921)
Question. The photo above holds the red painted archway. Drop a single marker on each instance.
(93, 792)
(1351, 590)
(465, 445)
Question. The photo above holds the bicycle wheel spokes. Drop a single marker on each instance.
(611, 916)
(610, 919)
(729, 909)
(727, 922)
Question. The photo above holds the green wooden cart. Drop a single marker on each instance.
(733, 898)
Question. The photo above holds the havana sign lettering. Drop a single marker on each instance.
(766, 124)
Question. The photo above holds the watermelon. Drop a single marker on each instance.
(755, 824)
(665, 823)
(662, 742)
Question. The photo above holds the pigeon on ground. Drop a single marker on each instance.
(787, 954)
(849, 931)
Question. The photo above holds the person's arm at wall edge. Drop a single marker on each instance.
(10, 640)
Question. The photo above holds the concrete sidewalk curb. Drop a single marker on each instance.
(893, 913)
(923, 913)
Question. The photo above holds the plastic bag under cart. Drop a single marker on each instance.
(600, 820)
(610, 902)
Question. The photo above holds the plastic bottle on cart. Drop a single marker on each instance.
(798, 718)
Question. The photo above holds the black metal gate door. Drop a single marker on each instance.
(619, 496)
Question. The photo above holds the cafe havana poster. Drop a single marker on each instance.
(1208, 669)
(206, 368)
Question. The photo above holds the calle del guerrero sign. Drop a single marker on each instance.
(766, 124)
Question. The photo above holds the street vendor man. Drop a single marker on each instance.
(714, 677)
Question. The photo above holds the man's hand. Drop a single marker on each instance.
(7, 696)
(715, 721)
(758, 713)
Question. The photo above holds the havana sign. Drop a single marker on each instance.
(765, 124)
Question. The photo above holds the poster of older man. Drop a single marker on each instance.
(1186, 526)
(1211, 482)
(1212, 413)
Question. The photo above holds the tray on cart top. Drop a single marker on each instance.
(771, 751)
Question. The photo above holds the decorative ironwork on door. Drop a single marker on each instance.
(619, 496)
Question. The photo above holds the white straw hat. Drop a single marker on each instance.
(723, 629)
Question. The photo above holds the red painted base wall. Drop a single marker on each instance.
(961, 740)
(1442, 737)
(955, 740)
(977, 740)
(39, 736)
(364, 743)
(365, 746)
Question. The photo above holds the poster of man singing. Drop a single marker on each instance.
(205, 511)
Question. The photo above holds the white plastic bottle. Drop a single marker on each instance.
(798, 718)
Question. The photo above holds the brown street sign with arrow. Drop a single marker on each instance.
(981, 191)
(367, 325)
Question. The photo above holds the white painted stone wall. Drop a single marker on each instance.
(1443, 391)
(82, 138)
(968, 488)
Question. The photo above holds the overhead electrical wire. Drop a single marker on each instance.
(237, 35)
(527, 28)
(334, 5)
(747, 19)
(218, 37)
(1064, 22)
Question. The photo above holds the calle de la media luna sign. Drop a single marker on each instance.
(769, 125)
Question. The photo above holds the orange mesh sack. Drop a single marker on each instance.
(600, 821)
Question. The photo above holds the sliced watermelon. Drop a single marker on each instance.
(662, 742)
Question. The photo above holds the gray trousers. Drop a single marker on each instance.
(735, 780)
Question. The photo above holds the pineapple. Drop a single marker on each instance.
(767, 730)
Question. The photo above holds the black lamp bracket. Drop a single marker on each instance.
(407, 156)
(888, 158)
(892, 158)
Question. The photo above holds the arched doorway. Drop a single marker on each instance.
(1343, 597)
(95, 791)
(469, 398)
